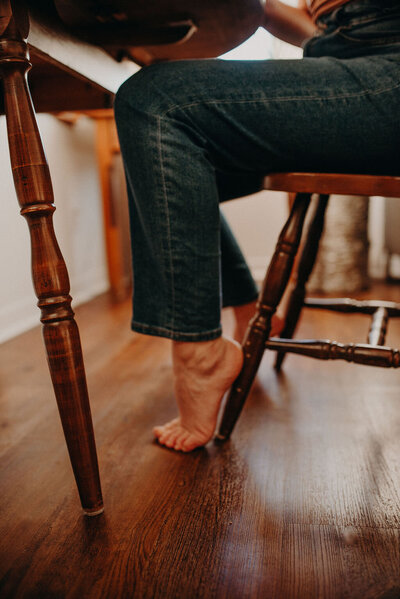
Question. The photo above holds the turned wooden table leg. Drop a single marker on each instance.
(49, 273)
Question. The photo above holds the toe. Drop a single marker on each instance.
(181, 438)
(184, 441)
(170, 439)
(169, 434)
(193, 441)
(161, 430)
(157, 431)
(163, 438)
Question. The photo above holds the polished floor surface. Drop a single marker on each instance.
(303, 502)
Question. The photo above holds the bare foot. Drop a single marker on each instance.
(203, 372)
(244, 313)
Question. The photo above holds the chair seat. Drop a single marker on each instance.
(332, 183)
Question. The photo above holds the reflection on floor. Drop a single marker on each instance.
(302, 502)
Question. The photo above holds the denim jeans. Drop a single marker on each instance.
(194, 133)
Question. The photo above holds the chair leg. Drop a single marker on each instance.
(49, 273)
(304, 270)
(274, 286)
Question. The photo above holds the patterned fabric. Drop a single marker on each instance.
(319, 7)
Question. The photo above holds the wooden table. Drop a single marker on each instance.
(68, 74)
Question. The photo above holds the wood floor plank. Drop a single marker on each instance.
(302, 502)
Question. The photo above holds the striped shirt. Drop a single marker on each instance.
(319, 7)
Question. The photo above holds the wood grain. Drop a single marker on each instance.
(271, 293)
(277, 278)
(115, 205)
(334, 183)
(303, 502)
(49, 273)
(125, 28)
(63, 62)
(306, 258)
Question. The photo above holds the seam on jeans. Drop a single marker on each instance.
(368, 43)
(283, 99)
(166, 207)
(157, 329)
(377, 17)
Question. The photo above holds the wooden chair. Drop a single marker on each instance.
(257, 337)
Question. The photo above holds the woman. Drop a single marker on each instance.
(188, 128)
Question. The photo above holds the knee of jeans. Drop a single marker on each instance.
(153, 89)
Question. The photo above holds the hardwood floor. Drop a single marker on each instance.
(303, 502)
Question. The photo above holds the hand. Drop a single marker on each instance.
(288, 23)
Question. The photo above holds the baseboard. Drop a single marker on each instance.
(18, 318)
(22, 315)
(83, 288)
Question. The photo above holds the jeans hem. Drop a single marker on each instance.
(156, 331)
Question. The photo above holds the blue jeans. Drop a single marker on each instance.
(195, 133)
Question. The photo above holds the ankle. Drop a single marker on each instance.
(199, 356)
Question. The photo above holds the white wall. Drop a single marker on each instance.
(78, 223)
(256, 222)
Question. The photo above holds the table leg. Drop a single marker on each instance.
(107, 147)
(50, 278)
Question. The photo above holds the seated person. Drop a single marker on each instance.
(187, 128)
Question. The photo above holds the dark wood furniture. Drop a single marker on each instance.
(374, 353)
(91, 76)
(49, 273)
(150, 30)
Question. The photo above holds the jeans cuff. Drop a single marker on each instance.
(156, 331)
